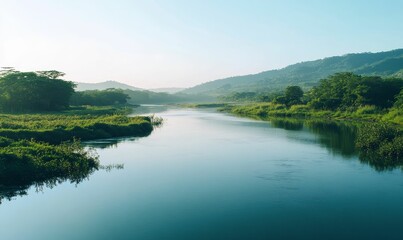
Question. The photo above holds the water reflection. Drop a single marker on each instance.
(147, 109)
(338, 138)
(10, 192)
(108, 143)
(287, 124)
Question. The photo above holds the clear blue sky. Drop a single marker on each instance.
(181, 43)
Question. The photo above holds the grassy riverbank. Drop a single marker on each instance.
(79, 123)
(44, 147)
(365, 113)
(27, 161)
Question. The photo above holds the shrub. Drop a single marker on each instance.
(367, 109)
(380, 144)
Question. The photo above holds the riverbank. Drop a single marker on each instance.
(85, 124)
(366, 113)
(43, 147)
(379, 134)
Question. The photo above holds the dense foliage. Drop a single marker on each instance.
(350, 91)
(381, 142)
(343, 95)
(250, 96)
(399, 101)
(99, 97)
(292, 96)
(34, 91)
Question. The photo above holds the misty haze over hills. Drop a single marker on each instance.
(118, 85)
(104, 85)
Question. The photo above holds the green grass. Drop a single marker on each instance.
(83, 124)
(365, 113)
(28, 161)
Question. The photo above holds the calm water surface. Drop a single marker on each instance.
(207, 175)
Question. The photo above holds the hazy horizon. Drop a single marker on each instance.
(154, 44)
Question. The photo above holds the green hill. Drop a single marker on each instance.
(307, 74)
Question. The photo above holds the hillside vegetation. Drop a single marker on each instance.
(307, 74)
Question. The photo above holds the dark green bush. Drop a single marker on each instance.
(380, 145)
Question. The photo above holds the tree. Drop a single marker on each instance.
(32, 91)
(7, 70)
(52, 74)
(293, 95)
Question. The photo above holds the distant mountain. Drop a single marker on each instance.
(149, 97)
(104, 85)
(142, 96)
(307, 74)
(166, 90)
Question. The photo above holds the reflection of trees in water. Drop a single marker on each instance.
(381, 163)
(108, 143)
(9, 192)
(336, 137)
(341, 138)
(291, 124)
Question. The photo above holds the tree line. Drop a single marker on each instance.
(34, 91)
(345, 91)
(99, 97)
(46, 91)
(341, 91)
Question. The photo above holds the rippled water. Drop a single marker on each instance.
(207, 175)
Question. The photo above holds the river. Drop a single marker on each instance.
(209, 175)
